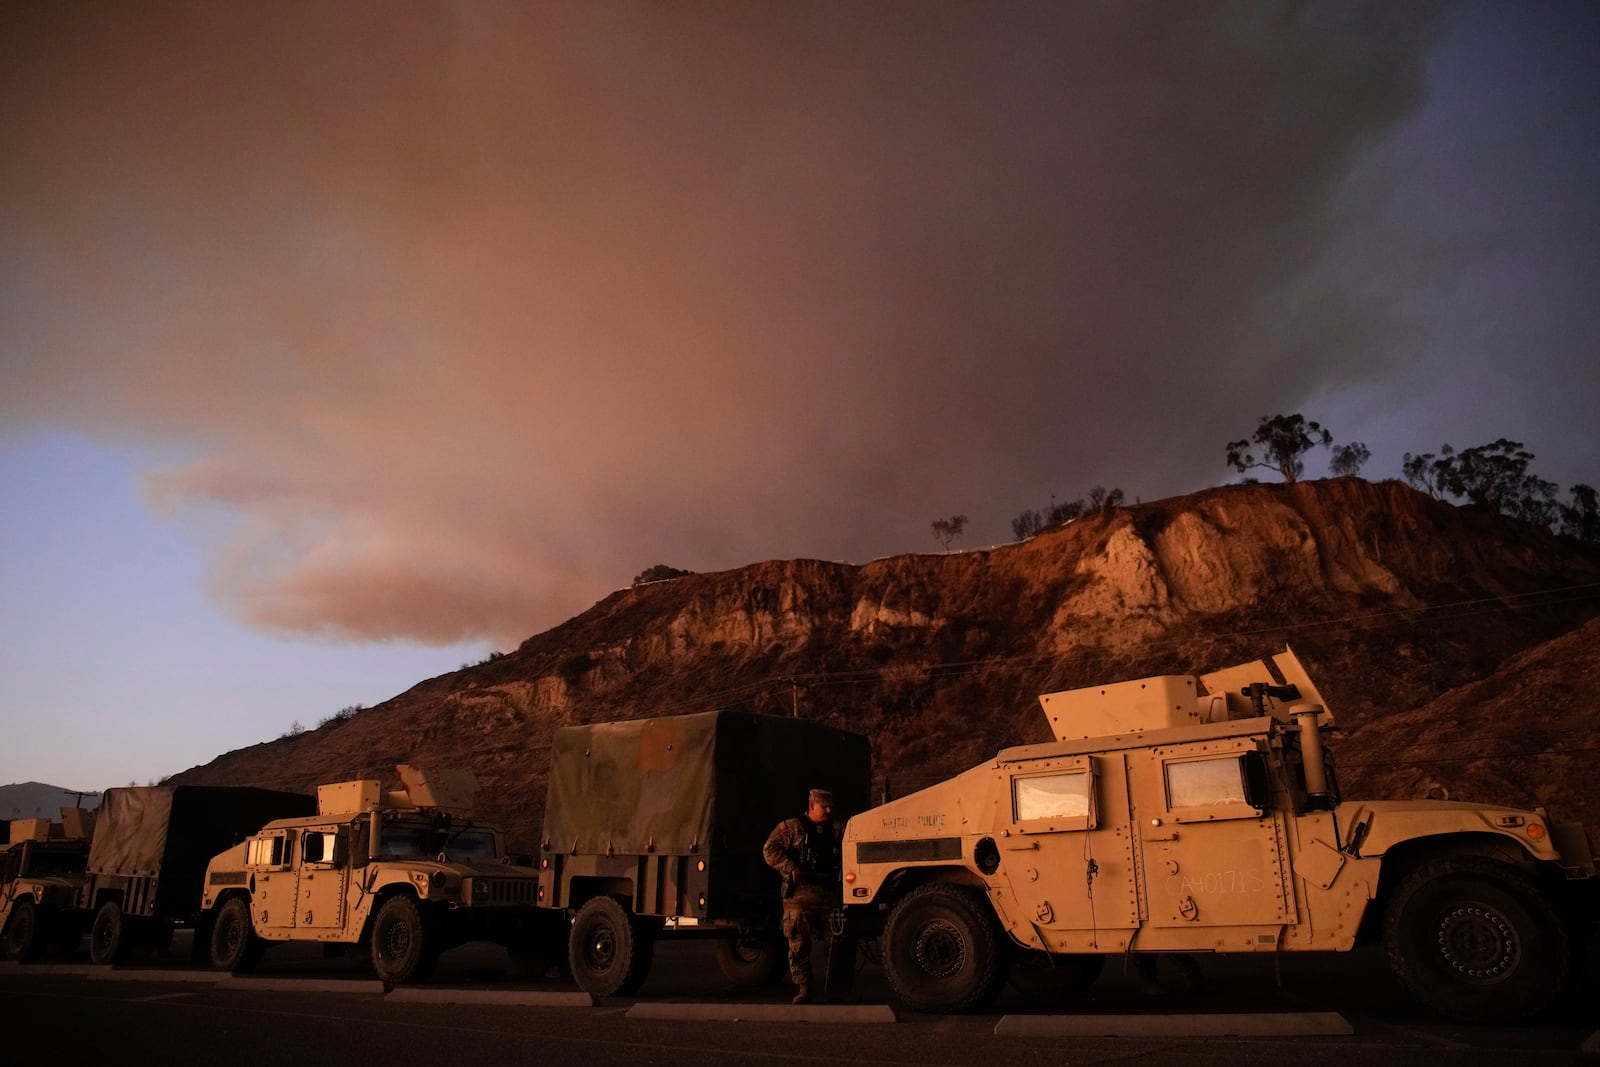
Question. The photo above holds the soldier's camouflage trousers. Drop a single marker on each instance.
(806, 923)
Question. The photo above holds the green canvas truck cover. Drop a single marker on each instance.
(716, 781)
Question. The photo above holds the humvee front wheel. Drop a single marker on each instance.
(941, 950)
(25, 941)
(610, 948)
(403, 948)
(234, 944)
(1476, 941)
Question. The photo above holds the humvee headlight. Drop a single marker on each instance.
(438, 880)
(850, 878)
(1535, 830)
(480, 890)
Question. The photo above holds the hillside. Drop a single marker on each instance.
(1394, 600)
(35, 800)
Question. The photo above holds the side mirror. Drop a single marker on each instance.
(1257, 777)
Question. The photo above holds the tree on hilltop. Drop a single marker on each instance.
(1494, 476)
(1281, 441)
(659, 573)
(948, 530)
(1581, 518)
(1349, 459)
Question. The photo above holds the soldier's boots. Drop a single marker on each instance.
(803, 995)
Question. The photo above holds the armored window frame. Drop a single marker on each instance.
(1235, 795)
(269, 851)
(1032, 789)
(323, 843)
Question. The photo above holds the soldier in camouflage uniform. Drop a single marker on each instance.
(805, 851)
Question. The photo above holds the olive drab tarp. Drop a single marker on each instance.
(173, 831)
(716, 781)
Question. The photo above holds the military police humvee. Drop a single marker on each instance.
(1183, 814)
(398, 877)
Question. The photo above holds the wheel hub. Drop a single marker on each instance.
(940, 950)
(1478, 943)
(602, 950)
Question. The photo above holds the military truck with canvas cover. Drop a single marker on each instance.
(657, 825)
(1196, 815)
(149, 854)
(41, 873)
(398, 877)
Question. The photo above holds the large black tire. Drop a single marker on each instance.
(752, 961)
(111, 936)
(405, 947)
(1052, 979)
(610, 949)
(234, 944)
(942, 950)
(26, 937)
(1475, 940)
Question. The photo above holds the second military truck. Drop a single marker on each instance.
(656, 826)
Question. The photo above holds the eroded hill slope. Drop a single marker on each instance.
(1392, 599)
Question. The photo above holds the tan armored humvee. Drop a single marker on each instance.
(41, 872)
(1184, 814)
(400, 877)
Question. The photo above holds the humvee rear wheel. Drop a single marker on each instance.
(403, 948)
(110, 939)
(1475, 940)
(234, 944)
(25, 940)
(610, 948)
(751, 961)
(941, 950)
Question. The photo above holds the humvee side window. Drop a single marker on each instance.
(266, 851)
(1054, 800)
(1217, 787)
(1205, 782)
(1052, 796)
(317, 846)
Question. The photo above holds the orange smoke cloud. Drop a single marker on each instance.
(466, 315)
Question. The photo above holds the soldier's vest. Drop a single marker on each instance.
(819, 854)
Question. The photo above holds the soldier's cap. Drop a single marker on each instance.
(820, 796)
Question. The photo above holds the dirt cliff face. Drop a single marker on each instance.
(1391, 598)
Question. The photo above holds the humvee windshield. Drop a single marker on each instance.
(419, 840)
(39, 859)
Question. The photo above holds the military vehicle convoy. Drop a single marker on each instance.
(398, 878)
(655, 826)
(1198, 815)
(1173, 814)
(41, 873)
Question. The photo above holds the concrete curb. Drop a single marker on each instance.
(153, 974)
(1277, 1024)
(766, 1013)
(525, 997)
(303, 985)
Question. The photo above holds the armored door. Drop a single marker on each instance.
(1064, 852)
(320, 902)
(1212, 847)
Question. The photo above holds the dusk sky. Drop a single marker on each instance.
(341, 344)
